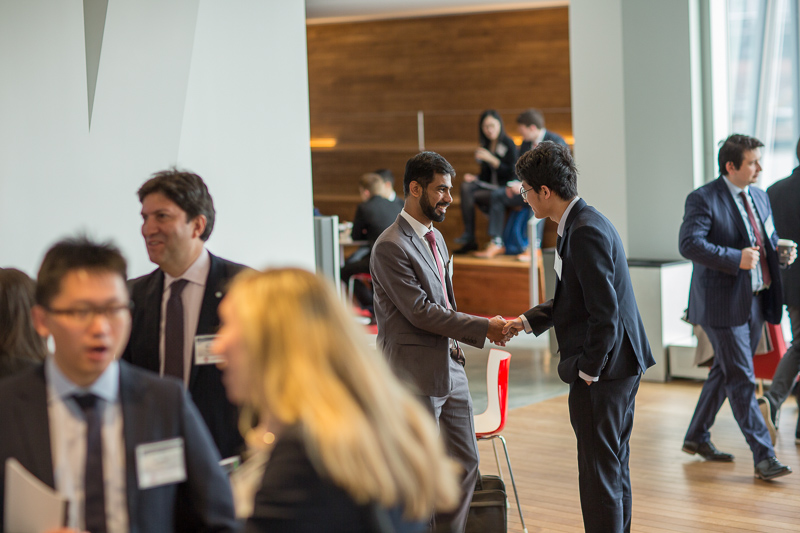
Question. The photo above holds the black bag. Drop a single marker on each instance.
(487, 512)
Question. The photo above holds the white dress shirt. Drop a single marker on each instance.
(68, 444)
(192, 298)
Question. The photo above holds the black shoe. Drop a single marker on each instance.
(469, 247)
(769, 417)
(771, 468)
(707, 451)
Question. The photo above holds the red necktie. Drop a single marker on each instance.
(759, 241)
(432, 242)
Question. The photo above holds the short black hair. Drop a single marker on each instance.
(76, 253)
(187, 190)
(422, 168)
(551, 165)
(387, 175)
(485, 142)
(733, 148)
(798, 150)
(531, 117)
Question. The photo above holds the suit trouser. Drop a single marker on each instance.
(474, 193)
(602, 418)
(453, 414)
(731, 376)
(499, 203)
(789, 366)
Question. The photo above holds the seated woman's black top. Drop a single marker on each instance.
(506, 152)
(293, 498)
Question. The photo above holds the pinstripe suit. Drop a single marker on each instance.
(721, 299)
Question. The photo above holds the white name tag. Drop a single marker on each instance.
(769, 227)
(160, 463)
(557, 265)
(202, 351)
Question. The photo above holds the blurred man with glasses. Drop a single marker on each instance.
(127, 450)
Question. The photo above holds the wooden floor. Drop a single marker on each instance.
(672, 491)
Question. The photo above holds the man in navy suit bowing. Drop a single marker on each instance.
(729, 235)
(175, 306)
(604, 349)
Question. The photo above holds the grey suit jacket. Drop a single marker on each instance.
(414, 323)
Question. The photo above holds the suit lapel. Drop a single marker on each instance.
(733, 209)
(573, 214)
(151, 320)
(421, 247)
(132, 427)
(34, 426)
(442, 246)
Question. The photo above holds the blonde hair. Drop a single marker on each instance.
(310, 365)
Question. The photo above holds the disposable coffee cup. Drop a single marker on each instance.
(785, 247)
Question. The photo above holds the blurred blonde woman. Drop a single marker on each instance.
(353, 451)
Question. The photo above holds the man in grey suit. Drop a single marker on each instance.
(784, 196)
(418, 326)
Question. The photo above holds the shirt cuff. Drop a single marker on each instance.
(526, 324)
(586, 377)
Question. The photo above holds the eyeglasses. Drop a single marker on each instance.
(85, 315)
(524, 193)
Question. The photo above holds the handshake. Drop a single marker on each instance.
(501, 330)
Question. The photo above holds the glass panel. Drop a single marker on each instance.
(746, 21)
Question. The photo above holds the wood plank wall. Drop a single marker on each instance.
(368, 80)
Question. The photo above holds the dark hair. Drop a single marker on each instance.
(797, 151)
(187, 190)
(77, 253)
(422, 168)
(371, 182)
(551, 165)
(483, 138)
(733, 148)
(387, 175)
(18, 337)
(531, 117)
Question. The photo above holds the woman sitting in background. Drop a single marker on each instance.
(20, 345)
(354, 451)
(497, 155)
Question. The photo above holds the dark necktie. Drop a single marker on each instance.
(93, 486)
(759, 241)
(558, 243)
(173, 331)
(432, 242)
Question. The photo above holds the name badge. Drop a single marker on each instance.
(769, 227)
(202, 351)
(501, 150)
(557, 265)
(160, 463)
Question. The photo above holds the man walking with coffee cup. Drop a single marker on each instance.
(784, 196)
(729, 235)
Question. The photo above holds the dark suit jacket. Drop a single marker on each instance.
(548, 136)
(594, 311)
(205, 381)
(295, 498)
(712, 236)
(784, 196)
(414, 324)
(373, 217)
(152, 410)
(505, 172)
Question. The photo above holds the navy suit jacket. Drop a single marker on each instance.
(153, 409)
(205, 381)
(594, 311)
(784, 196)
(712, 236)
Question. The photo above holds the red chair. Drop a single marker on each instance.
(366, 279)
(491, 422)
(764, 364)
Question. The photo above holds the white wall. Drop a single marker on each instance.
(636, 107)
(167, 70)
